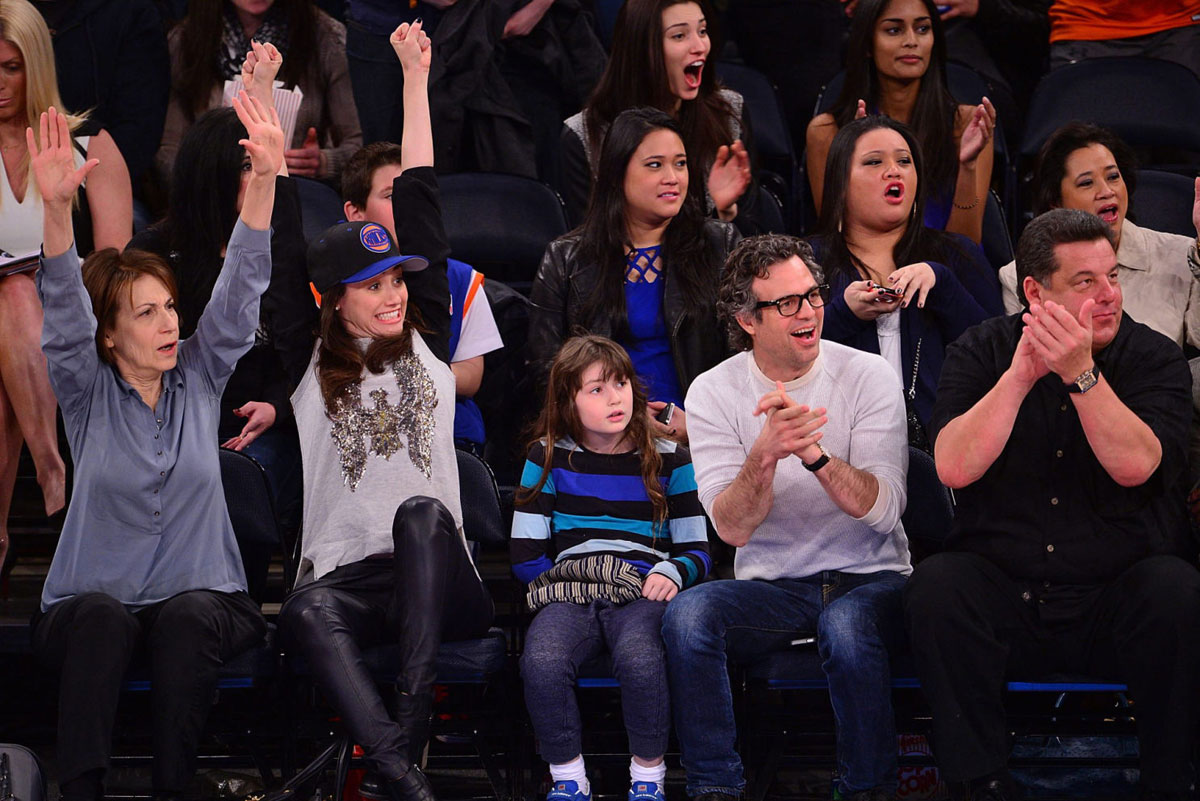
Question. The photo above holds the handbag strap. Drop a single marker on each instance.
(912, 387)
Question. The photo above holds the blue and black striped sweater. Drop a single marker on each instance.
(595, 503)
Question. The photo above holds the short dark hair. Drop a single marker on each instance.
(108, 275)
(753, 258)
(359, 170)
(1052, 161)
(1035, 249)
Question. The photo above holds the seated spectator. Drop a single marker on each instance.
(601, 496)
(1081, 29)
(660, 59)
(898, 288)
(896, 66)
(384, 558)
(367, 191)
(1086, 167)
(800, 461)
(207, 193)
(642, 269)
(102, 216)
(112, 58)
(1063, 433)
(208, 46)
(147, 560)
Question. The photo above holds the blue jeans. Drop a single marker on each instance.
(562, 638)
(859, 624)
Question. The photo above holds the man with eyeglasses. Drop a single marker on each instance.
(800, 449)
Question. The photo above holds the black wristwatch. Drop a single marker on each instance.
(820, 462)
(1086, 380)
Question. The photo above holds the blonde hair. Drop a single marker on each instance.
(22, 26)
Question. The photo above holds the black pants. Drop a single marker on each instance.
(426, 593)
(90, 639)
(972, 626)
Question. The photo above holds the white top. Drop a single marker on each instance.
(887, 328)
(479, 334)
(805, 532)
(1156, 284)
(359, 466)
(21, 223)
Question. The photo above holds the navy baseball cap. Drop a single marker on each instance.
(350, 252)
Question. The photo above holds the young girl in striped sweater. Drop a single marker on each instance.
(608, 529)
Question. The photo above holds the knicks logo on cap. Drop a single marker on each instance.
(375, 238)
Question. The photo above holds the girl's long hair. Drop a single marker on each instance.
(917, 243)
(559, 417)
(200, 48)
(341, 362)
(604, 239)
(636, 75)
(934, 115)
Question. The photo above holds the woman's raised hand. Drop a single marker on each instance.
(262, 64)
(729, 177)
(860, 110)
(916, 281)
(264, 141)
(412, 46)
(977, 133)
(53, 163)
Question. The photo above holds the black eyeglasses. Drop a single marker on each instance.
(788, 305)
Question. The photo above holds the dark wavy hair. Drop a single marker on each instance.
(936, 110)
(753, 258)
(341, 362)
(604, 238)
(917, 243)
(636, 76)
(559, 417)
(200, 48)
(1052, 161)
(202, 207)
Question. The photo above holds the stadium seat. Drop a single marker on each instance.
(320, 206)
(1163, 202)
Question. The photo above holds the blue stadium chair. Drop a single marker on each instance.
(997, 241)
(320, 206)
(501, 224)
(1163, 202)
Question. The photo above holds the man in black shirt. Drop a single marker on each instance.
(1063, 431)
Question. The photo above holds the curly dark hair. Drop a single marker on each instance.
(753, 258)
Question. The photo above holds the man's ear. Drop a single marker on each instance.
(1032, 289)
(353, 213)
(746, 321)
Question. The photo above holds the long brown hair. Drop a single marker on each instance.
(560, 417)
(340, 361)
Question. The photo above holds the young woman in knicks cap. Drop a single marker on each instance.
(383, 557)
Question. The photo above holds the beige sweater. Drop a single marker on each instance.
(328, 103)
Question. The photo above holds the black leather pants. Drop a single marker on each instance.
(426, 593)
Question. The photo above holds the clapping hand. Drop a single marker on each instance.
(978, 132)
(264, 136)
(1061, 340)
(790, 427)
(412, 47)
(53, 163)
(729, 175)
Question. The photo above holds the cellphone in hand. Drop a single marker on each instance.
(885, 290)
(665, 415)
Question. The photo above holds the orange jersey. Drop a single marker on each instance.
(1092, 20)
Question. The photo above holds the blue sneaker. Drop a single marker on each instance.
(567, 791)
(646, 791)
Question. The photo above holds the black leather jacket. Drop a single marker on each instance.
(560, 294)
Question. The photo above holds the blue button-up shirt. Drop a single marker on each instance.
(147, 518)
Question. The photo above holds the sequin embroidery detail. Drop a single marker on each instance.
(383, 428)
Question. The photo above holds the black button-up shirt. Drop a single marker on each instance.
(1046, 511)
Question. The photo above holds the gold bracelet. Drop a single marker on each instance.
(972, 205)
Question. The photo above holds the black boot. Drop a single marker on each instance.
(412, 786)
(414, 713)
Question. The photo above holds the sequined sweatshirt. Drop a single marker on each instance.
(390, 438)
(147, 518)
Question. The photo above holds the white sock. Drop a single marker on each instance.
(573, 771)
(641, 773)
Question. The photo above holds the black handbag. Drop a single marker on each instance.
(917, 437)
(21, 777)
